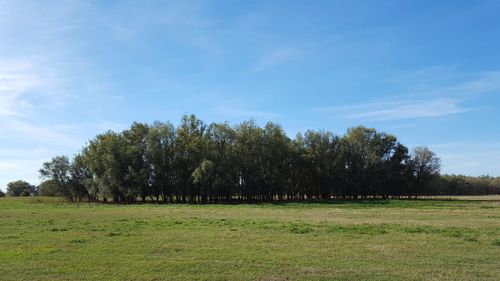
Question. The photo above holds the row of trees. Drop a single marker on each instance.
(466, 185)
(23, 188)
(196, 162)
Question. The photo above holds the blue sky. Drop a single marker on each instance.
(426, 71)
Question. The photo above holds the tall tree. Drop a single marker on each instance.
(58, 170)
(160, 153)
(426, 167)
(107, 161)
(221, 150)
(190, 151)
(275, 161)
(248, 150)
(137, 170)
(81, 181)
(203, 177)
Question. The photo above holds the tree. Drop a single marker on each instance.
(359, 157)
(371, 163)
(107, 162)
(198, 163)
(25, 193)
(249, 158)
(399, 172)
(426, 166)
(203, 176)
(320, 152)
(299, 173)
(81, 182)
(20, 188)
(160, 153)
(221, 150)
(191, 144)
(137, 172)
(48, 188)
(2, 194)
(58, 170)
(275, 161)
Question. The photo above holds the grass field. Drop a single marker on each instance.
(48, 239)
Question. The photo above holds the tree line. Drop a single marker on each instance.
(197, 162)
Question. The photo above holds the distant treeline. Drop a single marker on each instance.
(466, 185)
(199, 163)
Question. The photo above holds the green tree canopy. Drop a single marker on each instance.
(195, 162)
(20, 188)
(49, 188)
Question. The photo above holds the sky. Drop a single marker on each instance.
(425, 71)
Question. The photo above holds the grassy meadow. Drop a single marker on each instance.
(49, 239)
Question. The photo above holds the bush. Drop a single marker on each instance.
(49, 188)
(25, 193)
(2, 194)
(17, 188)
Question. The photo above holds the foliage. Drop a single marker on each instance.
(48, 188)
(466, 185)
(20, 188)
(200, 163)
(58, 170)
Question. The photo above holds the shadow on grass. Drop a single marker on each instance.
(365, 202)
(360, 202)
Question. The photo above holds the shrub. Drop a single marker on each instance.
(25, 193)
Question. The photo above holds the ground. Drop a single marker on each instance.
(49, 239)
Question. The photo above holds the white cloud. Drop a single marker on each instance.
(16, 79)
(436, 102)
(41, 73)
(27, 83)
(397, 110)
(486, 83)
(28, 87)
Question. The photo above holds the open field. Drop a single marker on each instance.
(48, 239)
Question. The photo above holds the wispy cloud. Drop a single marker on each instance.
(396, 110)
(26, 86)
(27, 83)
(182, 22)
(42, 75)
(432, 102)
(486, 83)
(275, 58)
(16, 78)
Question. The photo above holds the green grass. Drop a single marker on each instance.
(48, 239)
